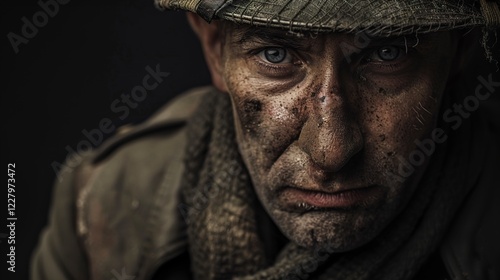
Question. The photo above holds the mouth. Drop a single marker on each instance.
(301, 200)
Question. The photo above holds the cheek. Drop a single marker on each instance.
(399, 110)
(265, 127)
(250, 115)
(392, 121)
(267, 122)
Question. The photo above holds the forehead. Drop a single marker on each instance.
(240, 34)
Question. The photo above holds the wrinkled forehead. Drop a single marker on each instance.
(242, 34)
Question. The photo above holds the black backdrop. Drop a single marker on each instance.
(65, 79)
(63, 82)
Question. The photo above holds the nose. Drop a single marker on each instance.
(331, 135)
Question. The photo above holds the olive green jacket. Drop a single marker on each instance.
(116, 215)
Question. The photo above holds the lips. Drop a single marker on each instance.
(311, 200)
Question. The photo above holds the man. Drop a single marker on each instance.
(339, 141)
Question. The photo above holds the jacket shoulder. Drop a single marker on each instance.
(170, 118)
(132, 194)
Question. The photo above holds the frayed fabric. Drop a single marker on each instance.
(380, 17)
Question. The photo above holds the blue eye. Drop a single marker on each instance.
(388, 53)
(275, 55)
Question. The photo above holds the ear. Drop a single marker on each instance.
(212, 43)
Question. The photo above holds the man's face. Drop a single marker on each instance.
(323, 123)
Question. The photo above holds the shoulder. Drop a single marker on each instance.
(167, 121)
(130, 192)
(132, 160)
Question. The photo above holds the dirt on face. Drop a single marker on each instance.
(323, 126)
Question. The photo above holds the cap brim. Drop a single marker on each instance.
(379, 17)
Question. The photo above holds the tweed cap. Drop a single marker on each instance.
(380, 17)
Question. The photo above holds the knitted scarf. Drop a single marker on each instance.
(225, 227)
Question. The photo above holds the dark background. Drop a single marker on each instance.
(64, 80)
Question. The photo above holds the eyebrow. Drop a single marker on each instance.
(273, 36)
(244, 35)
(408, 40)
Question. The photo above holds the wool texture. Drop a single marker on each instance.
(223, 226)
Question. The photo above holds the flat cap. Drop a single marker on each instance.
(380, 17)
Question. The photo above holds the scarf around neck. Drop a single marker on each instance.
(225, 229)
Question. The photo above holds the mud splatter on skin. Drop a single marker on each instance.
(251, 116)
(331, 102)
(252, 106)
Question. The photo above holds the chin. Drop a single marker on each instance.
(335, 231)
